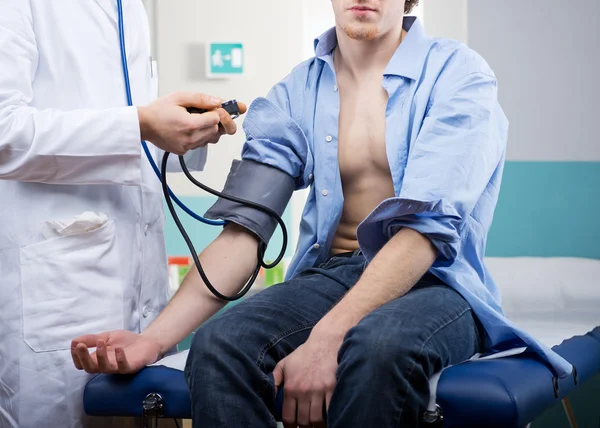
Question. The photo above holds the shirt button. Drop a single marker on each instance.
(335, 88)
(325, 192)
(329, 138)
(146, 230)
(145, 311)
(310, 176)
(316, 246)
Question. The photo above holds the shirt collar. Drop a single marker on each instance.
(406, 61)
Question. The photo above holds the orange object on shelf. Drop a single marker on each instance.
(178, 268)
(180, 260)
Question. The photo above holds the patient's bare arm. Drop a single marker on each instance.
(228, 262)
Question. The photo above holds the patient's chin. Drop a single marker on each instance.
(361, 32)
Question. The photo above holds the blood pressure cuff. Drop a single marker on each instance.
(258, 183)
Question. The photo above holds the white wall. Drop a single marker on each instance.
(317, 17)
(445, 18)
(546, 56)
(272, 34)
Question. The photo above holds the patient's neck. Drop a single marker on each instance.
(361, 59)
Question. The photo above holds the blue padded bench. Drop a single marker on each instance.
(506, 392)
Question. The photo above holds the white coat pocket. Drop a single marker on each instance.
(71, 285)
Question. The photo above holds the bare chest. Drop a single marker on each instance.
(362, 127)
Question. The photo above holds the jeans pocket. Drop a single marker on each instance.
(327, 263)
(334, 261)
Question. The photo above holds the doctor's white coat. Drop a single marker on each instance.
(69, 144)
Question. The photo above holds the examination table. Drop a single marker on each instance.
(505, 392)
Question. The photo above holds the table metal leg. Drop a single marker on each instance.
(569, 412)
(152, 409)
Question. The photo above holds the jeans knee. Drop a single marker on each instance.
(207, 337)
(382, 348)
(212, 343)
(197, 354)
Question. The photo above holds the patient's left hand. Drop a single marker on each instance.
(117, 351)
(308, 375)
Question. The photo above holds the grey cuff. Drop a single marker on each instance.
(258, 183)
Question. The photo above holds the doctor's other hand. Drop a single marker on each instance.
(119, 351)
(167, 124)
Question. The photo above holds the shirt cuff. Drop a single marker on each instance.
(440, 223)
(438, 229)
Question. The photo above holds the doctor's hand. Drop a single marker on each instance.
(117, 351)
(309, 376)
(167, 124)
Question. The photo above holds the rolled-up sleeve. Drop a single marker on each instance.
(273, 132)
(457, 151)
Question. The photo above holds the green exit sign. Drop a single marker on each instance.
(225, 59)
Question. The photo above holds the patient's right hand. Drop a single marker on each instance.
(117, 351)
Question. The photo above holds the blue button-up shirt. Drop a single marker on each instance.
(445, 140)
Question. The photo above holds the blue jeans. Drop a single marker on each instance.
(385, 362)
